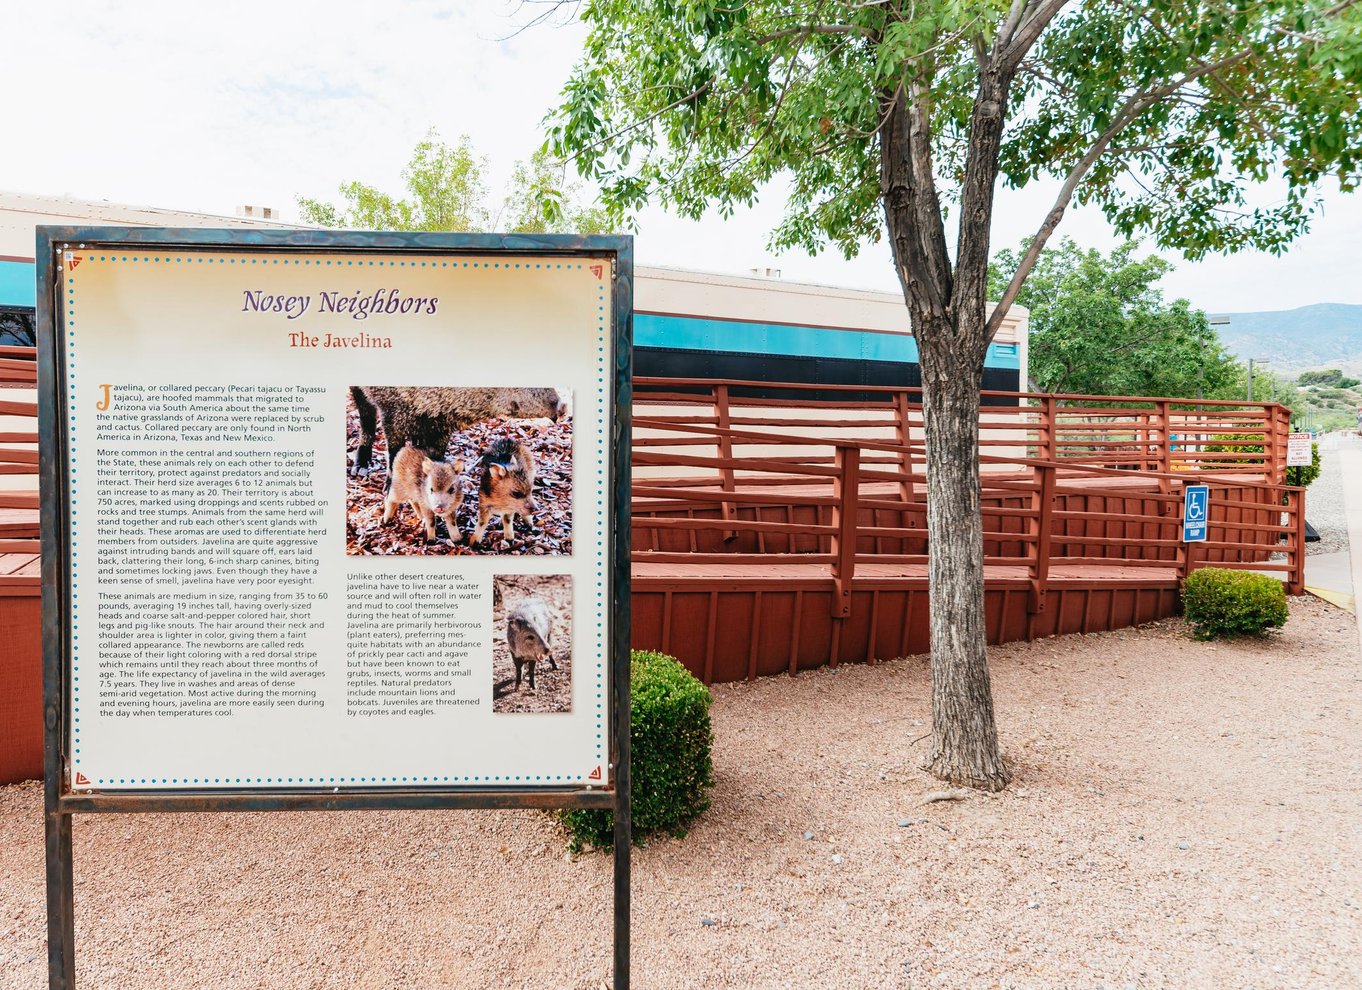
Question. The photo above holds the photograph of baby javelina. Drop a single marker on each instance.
(436, 471)
(532, 643)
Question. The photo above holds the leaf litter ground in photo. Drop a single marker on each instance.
(551, 535)
(553, 688)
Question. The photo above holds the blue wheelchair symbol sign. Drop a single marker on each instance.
(1195, 510)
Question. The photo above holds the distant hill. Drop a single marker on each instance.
(1325, 335)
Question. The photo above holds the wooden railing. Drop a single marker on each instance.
(1128, 432)
(18, 462)
(1024, 523)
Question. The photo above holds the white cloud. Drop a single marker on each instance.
(206, 107)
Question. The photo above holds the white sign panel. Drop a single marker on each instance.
(1298, 451)
(337, 518)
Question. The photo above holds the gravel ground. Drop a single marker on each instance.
(1184, 816)
(1324, 502)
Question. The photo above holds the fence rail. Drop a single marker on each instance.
(1130, 432)
(847, 468)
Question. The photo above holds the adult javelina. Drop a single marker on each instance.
(428, 417)
(529, 635)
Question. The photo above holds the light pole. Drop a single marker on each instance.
(1252, 362)
(1215, 321)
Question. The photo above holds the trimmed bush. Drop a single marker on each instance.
(670, 742)
(1220, 602)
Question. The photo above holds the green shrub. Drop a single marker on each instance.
(1252, 454)
(670, 742)
(1220, 602)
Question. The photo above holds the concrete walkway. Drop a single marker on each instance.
(1330, 576)
(1350, 459)
(1337, 577)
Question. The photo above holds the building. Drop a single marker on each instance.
(686, 325)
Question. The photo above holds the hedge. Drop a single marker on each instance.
(670, 743)
(1220, 602)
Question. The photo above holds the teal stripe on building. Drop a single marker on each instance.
(18, 286)
(698, 334)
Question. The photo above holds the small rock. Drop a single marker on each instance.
(708, 922)
(1033, 904)
(905, 822)
(1183, 845)
(808, 836)
(837, 859)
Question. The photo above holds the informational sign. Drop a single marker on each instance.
(332, 520)
(1195, 513)
(1298, 450)
(337, 517)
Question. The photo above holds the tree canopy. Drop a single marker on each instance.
(1099, 325)
(1207, 125)
(446, 190)
(1163, 115)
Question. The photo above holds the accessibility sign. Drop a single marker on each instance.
(1195, 512)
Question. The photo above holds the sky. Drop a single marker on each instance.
(205, 107)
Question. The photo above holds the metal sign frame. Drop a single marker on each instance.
(61, 803)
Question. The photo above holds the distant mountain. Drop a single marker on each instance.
(1325, 335)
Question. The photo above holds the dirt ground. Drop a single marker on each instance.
(551, 444)
(553, 688)
(1185, 815)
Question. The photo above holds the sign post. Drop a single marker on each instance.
(1196, 502)
(333, 520)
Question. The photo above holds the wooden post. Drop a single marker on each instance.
(725, 451)
(847, 492)
(1049, 447)
(1040, 567)
(1165, 459)
(903, 427)
(1296, 586)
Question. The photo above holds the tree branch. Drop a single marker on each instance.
(1134, 106)
(804, 30)
(1013, 48)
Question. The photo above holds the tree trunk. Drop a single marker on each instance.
(948, 311)
(964, 746)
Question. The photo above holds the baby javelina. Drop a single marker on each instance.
(507, 481)
(529, 635)
(432, 488)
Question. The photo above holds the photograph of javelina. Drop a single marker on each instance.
(532, 643)
(438, 471)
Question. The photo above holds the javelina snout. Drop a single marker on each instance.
(431, 486)
(505, 489)
(529, 636)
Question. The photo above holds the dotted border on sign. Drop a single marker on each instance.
(602, 501)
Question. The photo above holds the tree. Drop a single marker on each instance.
(883, 115)
(446, 192)
(1100, 326)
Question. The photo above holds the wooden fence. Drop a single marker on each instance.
(775, 481)
(1128, 432)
